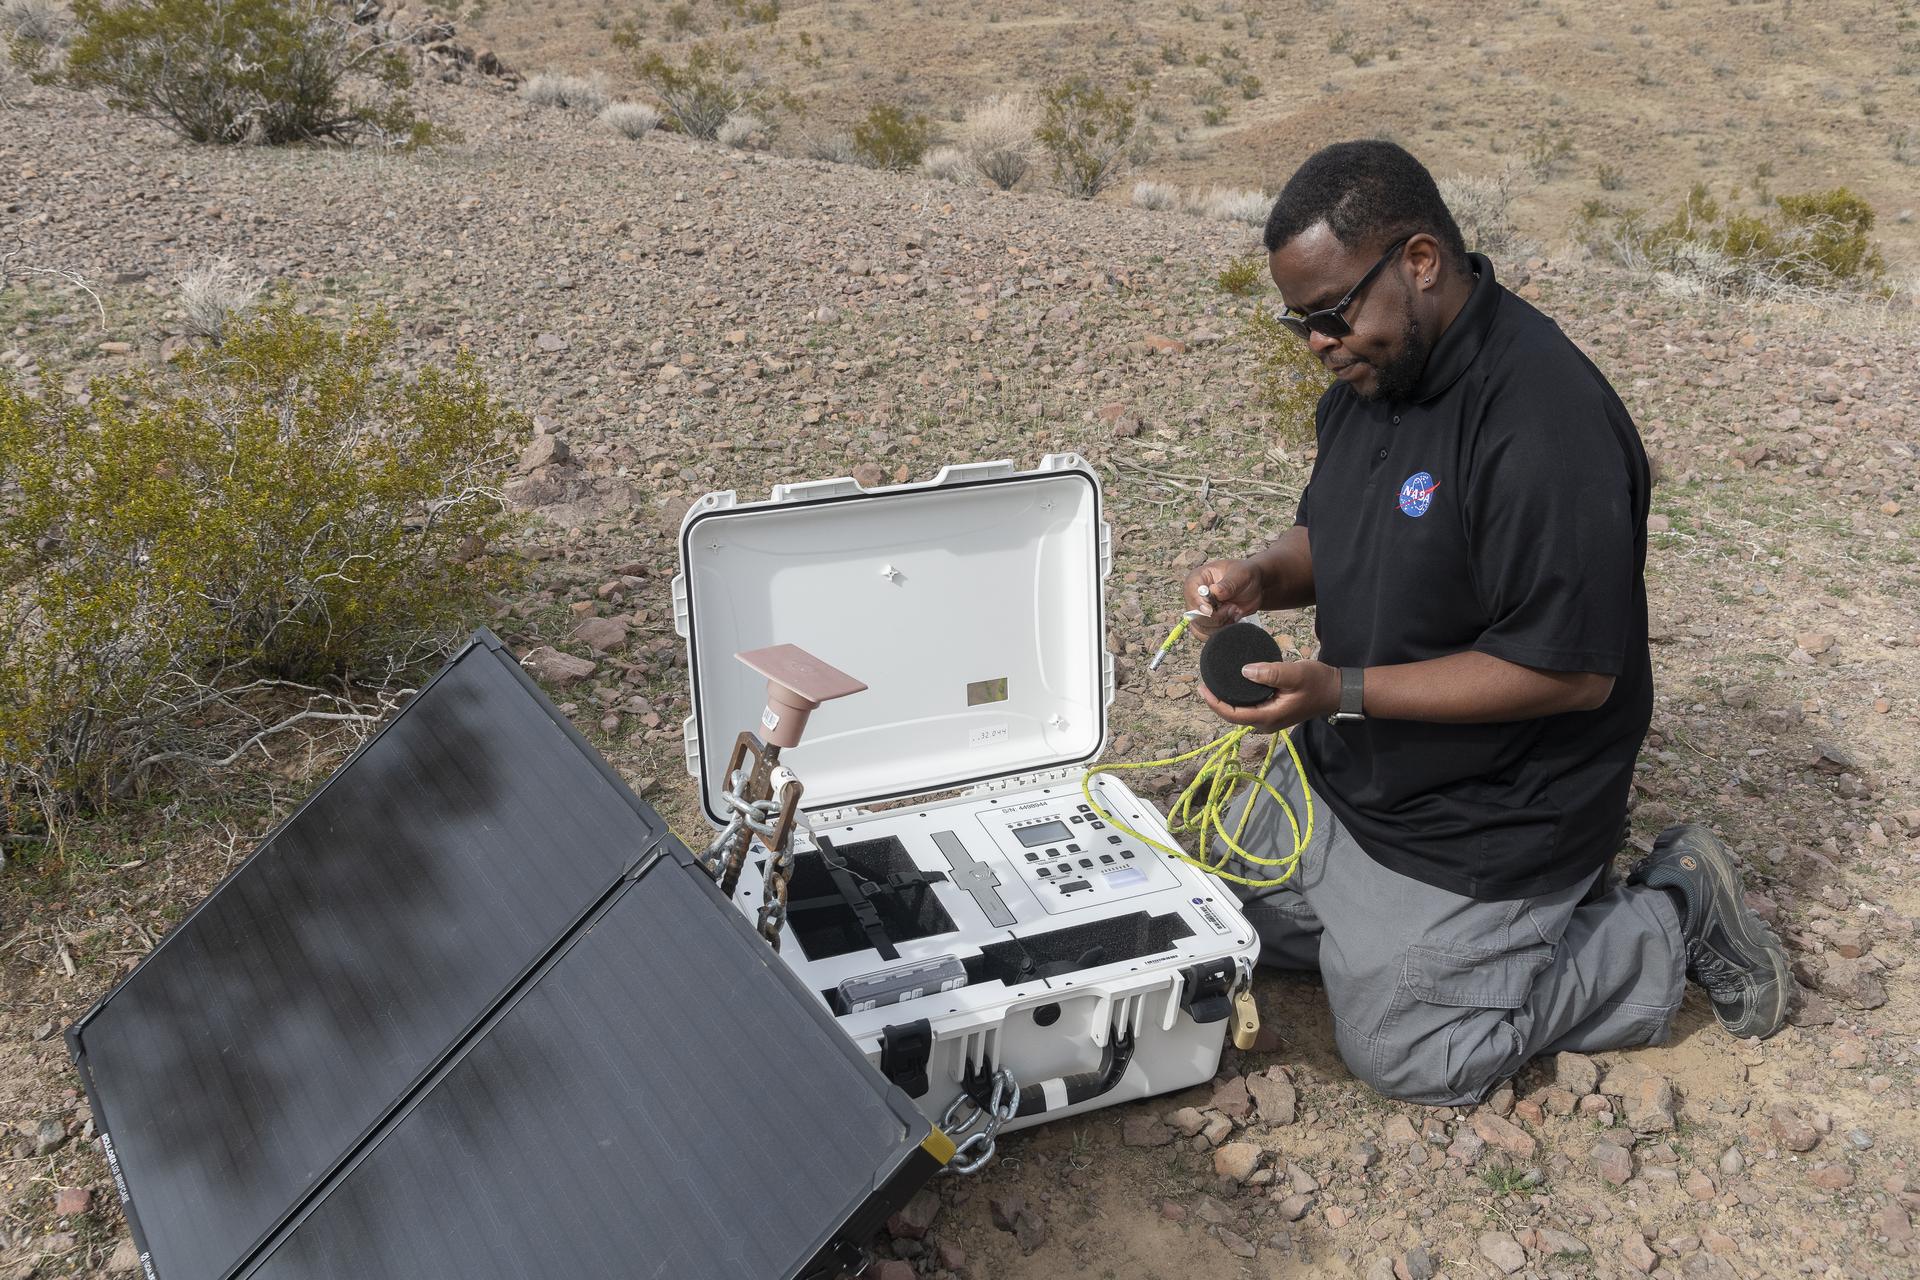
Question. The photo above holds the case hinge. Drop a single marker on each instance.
(905, 1048)
(1208, 996)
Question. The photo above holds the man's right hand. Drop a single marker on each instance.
(1233, 592)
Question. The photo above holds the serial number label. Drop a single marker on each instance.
(988, 735)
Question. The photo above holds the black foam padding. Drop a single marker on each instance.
(1229, 649)
(468, 996)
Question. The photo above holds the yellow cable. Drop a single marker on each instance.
(1221, 778)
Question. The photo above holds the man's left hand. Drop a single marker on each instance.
(1302, 690)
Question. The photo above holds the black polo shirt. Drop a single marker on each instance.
(1502, 509)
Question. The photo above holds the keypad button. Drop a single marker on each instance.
(1107, 858)
(1073, 848)
(1111, 840)
(1078, 817)
(1099, 825)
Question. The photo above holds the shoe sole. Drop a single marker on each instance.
(1747, 929)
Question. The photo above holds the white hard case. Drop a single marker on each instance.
(973, 606)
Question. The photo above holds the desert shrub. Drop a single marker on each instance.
(1231, 204)
(949, 164)
(699, 92)
(34, 22)
(1090, 133)
(744, 131)
(1243, 275)
(1483, 208)
(567, 92)
(1813, 243)
(1158, 196)
(288, 507)
(212, 295)
(832, 146)
(997, 137)
(630, 119)
(889, 138)
(225, 71)
(1290, 379)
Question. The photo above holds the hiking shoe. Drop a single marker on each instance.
(1730, 952)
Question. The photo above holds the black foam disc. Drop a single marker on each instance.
(1229, 649)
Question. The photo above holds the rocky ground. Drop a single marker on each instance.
(679, 319)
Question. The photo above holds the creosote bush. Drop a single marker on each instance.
(1091, 135)
(567, 92)
(630, 119)
(1290, 378)
(286, 508)
(889, 138)
(701, 91)
(1807, 244)
(230, 71)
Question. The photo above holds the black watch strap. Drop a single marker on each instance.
(1352, 694)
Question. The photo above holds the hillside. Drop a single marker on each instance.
(686, 318)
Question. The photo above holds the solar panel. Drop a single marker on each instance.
(470, 1011)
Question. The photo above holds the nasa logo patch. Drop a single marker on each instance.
(1416, 495)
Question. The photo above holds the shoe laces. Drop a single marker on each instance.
(1724, 980)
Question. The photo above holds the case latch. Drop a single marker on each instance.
(1209, 990)
(904, 1050)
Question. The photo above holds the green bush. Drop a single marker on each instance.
(225, 71)
(291, 509)
(1243, 275)
(1291, 378)
(699, 93)
(889, 138)
(1817, 242)
(1090, 133)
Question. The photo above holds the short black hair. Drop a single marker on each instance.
(1369, 193)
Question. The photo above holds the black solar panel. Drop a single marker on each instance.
(391, 1044)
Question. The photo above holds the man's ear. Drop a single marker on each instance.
(1423, 255)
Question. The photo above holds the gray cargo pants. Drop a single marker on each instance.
(1438, 998)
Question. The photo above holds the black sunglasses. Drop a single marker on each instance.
(1332, 321)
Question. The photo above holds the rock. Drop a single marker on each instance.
(1503, 1134)
(1294, 1207)
(550, 342)
(1400, 1132)
(1700, 1186)
(1529, 1111)
(1732, 1162)
(917, 1217)
(1238, 1245)
(1659, 524)
(1612, 1163)
(1848, 1055)
(1638, 1254)
(1576, 1073)
(1650, 1106)
(950, 1256)
(1855, 981)
(1555, 1242)
(48, 1137)
(1230, 1099)
(1791, 1129)
(1719, 1242)
(892, 1269)
(1416, 1265)
(550, 666)
(1160, 344)
(1212, 1211)
(544, 451)
(1188, 1120)
(1005, 1209)
(1466, 1148)
(1216, 1129)
(1832, 1177)
(1237, 1160)
(870, 475)
(1382, 1269)
(72, 1201)
(1501, 1102)
(1895, 1224)
(1273, 1096)
(1338, 1216)
(1363, 1155)
(1173, 1212)
(1503, 1251)
(601, 634)
(1143, 1129)
(1030, 1231)
(126, 1258)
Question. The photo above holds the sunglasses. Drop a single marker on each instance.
(1332, 321)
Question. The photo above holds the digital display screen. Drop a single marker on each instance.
(1045, 833)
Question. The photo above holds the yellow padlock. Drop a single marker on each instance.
(1246, 1019)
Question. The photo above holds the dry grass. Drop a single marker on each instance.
(997, 139)
(630, 119)
(744, 131)
(1232, 204)
(212, 295)
(1483, 206)
(1158, 196)
(568, 92)
(949, 164)
(43, 22)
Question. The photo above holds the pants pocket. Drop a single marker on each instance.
(1452, 1038)
(1464, 979)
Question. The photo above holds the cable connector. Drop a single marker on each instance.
(1173, 637)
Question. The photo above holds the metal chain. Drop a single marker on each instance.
(758, 816)
(773, 905)
(972, 1150)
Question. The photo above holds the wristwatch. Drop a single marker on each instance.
(1350, 696)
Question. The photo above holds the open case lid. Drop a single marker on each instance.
(970, 604)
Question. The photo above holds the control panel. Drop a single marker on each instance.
(1069, 856)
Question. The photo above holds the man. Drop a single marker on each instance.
(1474, 536)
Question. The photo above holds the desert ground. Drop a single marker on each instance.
(680, 317)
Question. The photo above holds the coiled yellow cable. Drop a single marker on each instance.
(1219, 780)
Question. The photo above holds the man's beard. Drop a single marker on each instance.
(1397, 379)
